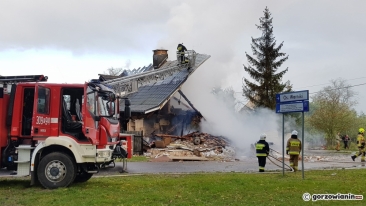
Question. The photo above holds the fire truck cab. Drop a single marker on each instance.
(57, 133)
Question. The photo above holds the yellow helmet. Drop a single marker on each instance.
(361, 130)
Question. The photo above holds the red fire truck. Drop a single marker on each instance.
(57, 133)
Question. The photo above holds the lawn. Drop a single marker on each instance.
(192, 189)
(138, 159)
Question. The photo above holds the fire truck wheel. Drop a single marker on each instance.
(82, 177)
(56, 170)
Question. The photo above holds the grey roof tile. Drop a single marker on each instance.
(153, 95)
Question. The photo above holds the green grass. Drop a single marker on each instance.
(138, 159)
(135, 159)
(192, 189)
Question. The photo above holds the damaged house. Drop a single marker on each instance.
(157, 103)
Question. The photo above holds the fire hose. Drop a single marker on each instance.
(118, 153)
(270, 157)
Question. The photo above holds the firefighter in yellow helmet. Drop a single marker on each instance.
(360, 145)
(293, 149)
(262, 150)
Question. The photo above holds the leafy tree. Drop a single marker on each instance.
(359, 121)
(263, 68)
(333, 112)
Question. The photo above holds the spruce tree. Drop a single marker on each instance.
(263, 68)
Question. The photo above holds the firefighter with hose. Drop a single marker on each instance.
(262, 150)
(360, 145)
(293, 149)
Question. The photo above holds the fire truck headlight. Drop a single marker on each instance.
(104, 154)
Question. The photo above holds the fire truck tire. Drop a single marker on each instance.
(82, 177)
(56, 170)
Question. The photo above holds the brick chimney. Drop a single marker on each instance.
(159, 58)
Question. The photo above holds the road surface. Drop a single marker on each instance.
(330, 160)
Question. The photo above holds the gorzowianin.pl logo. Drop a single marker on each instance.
(338, 196)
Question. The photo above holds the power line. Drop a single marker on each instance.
(356, 85)
(330, 83)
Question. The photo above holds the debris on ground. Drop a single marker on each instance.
(195, 146)
(198, 146)
(314, 158)
(321, 147)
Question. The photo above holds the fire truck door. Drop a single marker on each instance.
(90, 126)
(41, 120)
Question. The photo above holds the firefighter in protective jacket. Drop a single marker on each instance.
(360, 145)
(293, 149)
(180, 50)
(262, 150)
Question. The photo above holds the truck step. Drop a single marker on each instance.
(24, 154)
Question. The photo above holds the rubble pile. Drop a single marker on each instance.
(193, 146)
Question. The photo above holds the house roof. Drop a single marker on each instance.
(136, 71)
(151, 97)
(106, 77)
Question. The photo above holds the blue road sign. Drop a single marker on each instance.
(292, 96)
(301, 106)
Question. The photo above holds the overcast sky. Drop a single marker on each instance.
(73, 41)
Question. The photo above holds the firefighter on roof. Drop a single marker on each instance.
(360, 145)
(262, 150)
(293, 149)
(180, 51)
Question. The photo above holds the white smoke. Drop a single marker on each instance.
(222, 118)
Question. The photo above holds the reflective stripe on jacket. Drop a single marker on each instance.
(262, 148)
(360, 141)
(293, 146)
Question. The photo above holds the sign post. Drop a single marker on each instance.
(287, 103)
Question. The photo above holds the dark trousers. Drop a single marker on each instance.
(261, 163)
(182, 59)
(345, 144)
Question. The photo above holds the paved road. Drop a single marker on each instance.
(214, 166)
(245, 165)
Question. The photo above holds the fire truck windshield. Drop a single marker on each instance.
(101, 100)
(106, 107)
